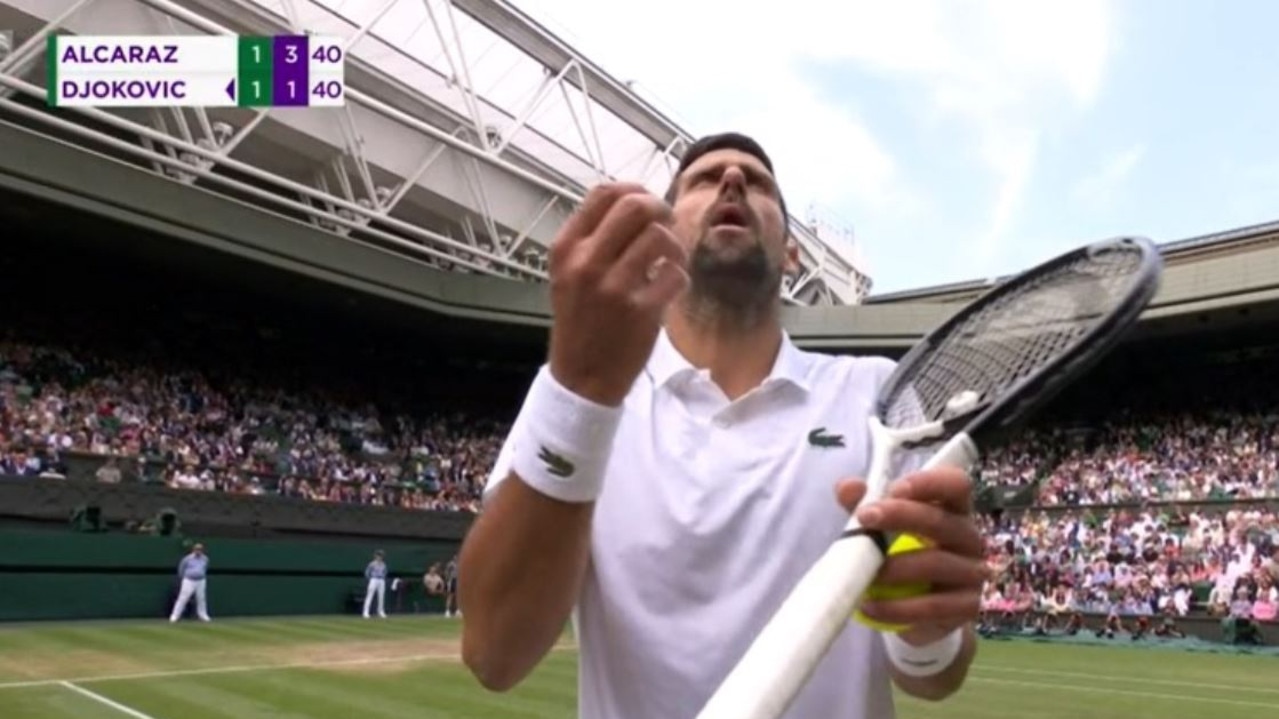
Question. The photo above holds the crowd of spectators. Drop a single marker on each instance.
(197, 430)
(233, 435)
(171, 370)
(1178, 458)
(1162, 506)
(1133, 564)
(180, 429)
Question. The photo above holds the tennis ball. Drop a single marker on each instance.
(903, 544)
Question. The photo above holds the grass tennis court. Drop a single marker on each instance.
(335, 668)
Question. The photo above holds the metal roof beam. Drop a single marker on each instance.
(525, 33)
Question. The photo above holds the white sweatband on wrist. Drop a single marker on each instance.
(564, 441)
(927, 660)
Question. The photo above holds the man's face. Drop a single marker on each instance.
(199, 549)
(728, 215)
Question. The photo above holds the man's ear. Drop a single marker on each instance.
(790, 266)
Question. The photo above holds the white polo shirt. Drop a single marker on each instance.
(711, 512)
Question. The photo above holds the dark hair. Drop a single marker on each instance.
(723, 141)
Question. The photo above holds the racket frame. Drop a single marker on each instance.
(986, 421)
(792, 644)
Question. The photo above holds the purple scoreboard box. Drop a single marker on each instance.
(290, 74)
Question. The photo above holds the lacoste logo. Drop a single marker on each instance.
(819, 438)
(556, 464)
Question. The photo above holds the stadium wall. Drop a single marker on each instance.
(62, 575)
(47, 501)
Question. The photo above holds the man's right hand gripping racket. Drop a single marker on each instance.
(967, 384)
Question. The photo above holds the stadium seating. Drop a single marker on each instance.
(1145, 514)
(177, 429)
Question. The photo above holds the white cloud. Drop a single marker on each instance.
(1098, 188)
(1011, 157)
(741, 75)
(997, 68)
(996, 72)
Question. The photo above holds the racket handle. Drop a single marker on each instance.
(797, 637)
(959, 451)
(786, 652)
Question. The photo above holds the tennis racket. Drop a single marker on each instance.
(967, 384)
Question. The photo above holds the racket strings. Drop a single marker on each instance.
(992, 351)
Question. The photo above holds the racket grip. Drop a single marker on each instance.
(959, 451)
(797, 637)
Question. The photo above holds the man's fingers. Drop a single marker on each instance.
(959, 605)
(949, 531)
(594, 207)
(651, 269)
(935, 567)
(668, 280)
(849, 492)
(635, 268)
(946, 486)
(622, 225)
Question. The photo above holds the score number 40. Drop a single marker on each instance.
(331, 54)
(328, 89)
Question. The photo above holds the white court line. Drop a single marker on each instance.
(1130, 679)
(238, 669)
(106, 702)
(1127, 692)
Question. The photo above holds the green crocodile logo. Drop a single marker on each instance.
(556, 464)
(819, 438)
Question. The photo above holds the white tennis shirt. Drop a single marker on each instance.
(711, 512)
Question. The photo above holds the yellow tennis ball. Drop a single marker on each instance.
(903, 544)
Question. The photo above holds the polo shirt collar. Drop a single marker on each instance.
(667, 365)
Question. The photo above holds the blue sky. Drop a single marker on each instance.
(964, 139)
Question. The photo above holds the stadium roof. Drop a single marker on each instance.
(1215, 285)
(1192, 249)
(435, 46)
(469, 133)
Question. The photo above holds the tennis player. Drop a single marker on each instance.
(678, 464)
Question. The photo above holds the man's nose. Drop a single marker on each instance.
(733, 183)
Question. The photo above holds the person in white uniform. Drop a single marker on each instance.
(679, 463)
(193, 570)
(375, 573)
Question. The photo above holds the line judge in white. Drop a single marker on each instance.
(678, 465)
(375, 573)
(194, 571)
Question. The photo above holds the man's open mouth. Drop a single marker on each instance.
(730, 216)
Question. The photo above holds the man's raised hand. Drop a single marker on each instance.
(614, 267)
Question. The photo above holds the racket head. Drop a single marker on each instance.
(1015, 347)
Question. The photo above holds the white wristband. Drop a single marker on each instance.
(927, 660)
(564, 441)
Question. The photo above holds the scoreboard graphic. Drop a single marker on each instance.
(196, 71)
